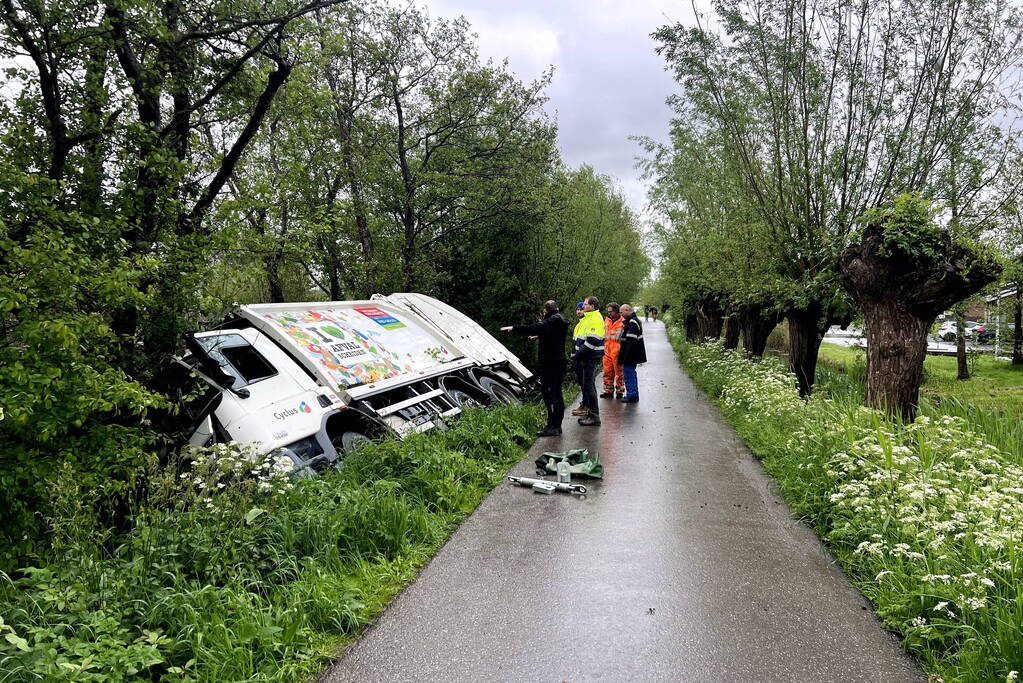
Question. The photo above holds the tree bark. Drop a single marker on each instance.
(804, 344)
(963, 369)
(710, 318)
(692, 327)
(757, 324)
(732, 332)
(896, 348)
(901, 293)
(273, 259)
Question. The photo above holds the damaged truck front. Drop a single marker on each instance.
(310, 381)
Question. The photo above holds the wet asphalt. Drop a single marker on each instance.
(683, 564)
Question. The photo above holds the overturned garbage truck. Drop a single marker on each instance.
(310, 381)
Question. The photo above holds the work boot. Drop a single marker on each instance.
(590, 421)
(581, 410)
(607, 394)
(628, 399)
(549, 431)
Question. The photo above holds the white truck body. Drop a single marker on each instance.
(311, 379)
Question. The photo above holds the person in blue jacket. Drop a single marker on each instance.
(633, 352)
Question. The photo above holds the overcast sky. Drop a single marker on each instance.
(608, 82)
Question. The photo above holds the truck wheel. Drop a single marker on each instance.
(350, 441)
(462, 398)
(499, 390)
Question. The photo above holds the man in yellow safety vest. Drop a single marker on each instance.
(588, 340)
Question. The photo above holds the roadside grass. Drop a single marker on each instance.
(926, 518)
(994, 384)
(232, 572)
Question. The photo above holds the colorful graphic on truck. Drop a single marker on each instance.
(360, 345)
(385, 320)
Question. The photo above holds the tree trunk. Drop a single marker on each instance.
(963, 370)
(757, 325)
(692, 327)
(804, 344)
(1017, 332)
(732, 332)
(709, 319)
(355, 192)
(90, 191)
(901, 293)
(272, 263)
(896, 348)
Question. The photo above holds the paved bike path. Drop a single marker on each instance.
(683, 564)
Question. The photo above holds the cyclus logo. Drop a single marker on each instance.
(303, 407)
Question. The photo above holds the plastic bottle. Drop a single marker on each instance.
(564, 472)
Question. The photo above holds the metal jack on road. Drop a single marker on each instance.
(558, 486)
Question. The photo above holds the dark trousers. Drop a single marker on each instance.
(550, 389)
(589, 385)
(577, 368)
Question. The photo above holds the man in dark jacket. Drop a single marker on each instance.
(550, 333)
(632, 353)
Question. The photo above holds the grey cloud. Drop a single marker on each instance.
(608, 83)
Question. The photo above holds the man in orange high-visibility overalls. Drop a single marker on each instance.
(614, 381)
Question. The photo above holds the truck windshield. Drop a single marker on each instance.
(236, 357)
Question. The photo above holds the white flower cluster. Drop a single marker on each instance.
(932, 510)
(762, 388)
(950, 506)
(223, 466)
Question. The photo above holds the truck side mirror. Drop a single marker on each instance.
(213, 368)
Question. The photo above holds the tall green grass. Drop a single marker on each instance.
(252, 582)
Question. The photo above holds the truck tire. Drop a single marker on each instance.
(462, 398)
(499, 391)
(350, 441)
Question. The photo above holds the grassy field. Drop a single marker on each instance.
(995, 384)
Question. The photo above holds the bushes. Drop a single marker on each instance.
(926, 518)
(232, 572)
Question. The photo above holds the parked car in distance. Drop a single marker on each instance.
(947, 331)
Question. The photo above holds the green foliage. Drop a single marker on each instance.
(229, 571)
(992, 396)
(909, 227)
(106, 180)
(768, 169)
(385, 154)
(65, 395)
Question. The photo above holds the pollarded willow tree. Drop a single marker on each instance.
(830, 109)
(904, 269)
